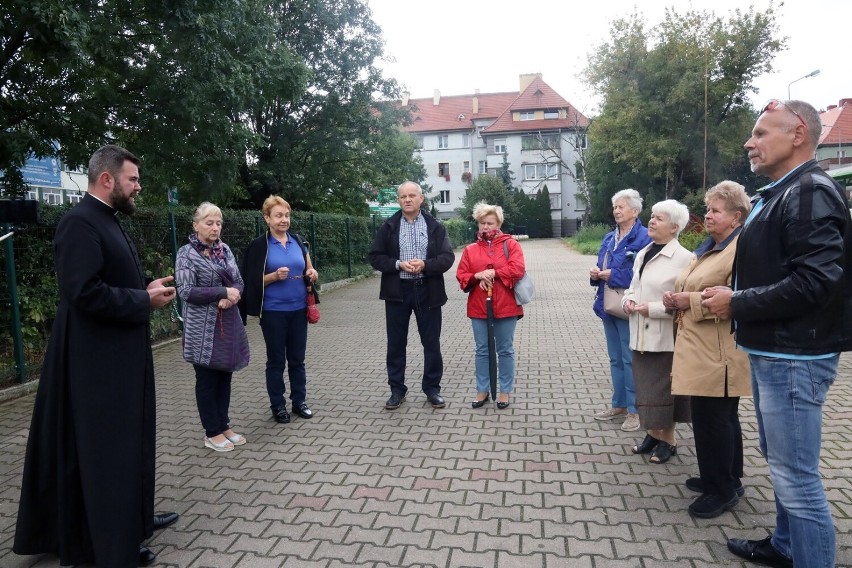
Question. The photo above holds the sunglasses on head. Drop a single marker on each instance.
(775, 103)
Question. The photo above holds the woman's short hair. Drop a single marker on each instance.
(206, 209)
(482, 210)
(676, 211)
(734, 196)
(631, 196)
(271, 202)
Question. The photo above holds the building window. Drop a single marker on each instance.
(418, 142)
(540, 142)
(540, 171)
(550, 114)
(581, 141)
(556, 201)
(444, 169)
(52, 197)
(465, 140)
(527, 115)
(444, 196)
(443, 141)
(483, 167)
(73, 197)
(500, 146)
(465, 166)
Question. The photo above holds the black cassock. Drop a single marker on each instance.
(88, 487)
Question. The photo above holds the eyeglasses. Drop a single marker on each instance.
(775, 103)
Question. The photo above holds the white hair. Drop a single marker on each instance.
(631, 196)
(676, 211)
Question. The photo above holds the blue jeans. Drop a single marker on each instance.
(617, 332)
(286, 337)
(504, 334)
(788, 400)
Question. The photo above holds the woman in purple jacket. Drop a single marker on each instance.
(615, 269)
(214, 337)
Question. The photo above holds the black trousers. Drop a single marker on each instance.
(213, 397)
(415, 298)
(718, 443)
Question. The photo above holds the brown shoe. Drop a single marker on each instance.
(610, 414)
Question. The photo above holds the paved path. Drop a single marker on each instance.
(538, 484)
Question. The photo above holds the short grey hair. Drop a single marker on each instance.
(810, 117)
(482, 210)
(409, 182)
(206, 209)
(677, 212)
(631, 196)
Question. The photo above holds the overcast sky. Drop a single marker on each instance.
(457, 46)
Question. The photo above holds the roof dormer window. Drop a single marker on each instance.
(526, 115)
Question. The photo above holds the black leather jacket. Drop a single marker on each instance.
(793, 269)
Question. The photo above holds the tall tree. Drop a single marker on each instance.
(651, 130)
(492, 190)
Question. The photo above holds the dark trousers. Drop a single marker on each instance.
(213, 397)
(415, 298)
(718, 443)
(286, 337)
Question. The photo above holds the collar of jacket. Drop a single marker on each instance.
(789, 179)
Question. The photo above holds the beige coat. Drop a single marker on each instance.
(706, 360)
(655, 332)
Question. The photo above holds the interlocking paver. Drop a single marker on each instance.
(538, 484)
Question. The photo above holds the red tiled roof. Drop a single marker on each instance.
(837, 125)
(537, 96)
(445, 115)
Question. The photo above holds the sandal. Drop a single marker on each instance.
(647, 446)
(225, 446)
(663, 452)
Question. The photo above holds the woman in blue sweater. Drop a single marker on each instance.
(615, 269)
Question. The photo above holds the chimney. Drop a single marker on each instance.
(844, 102)
(405, 96)
(527, 78)
(436, 97)
(476, 101)
(831, 107)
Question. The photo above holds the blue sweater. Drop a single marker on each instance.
(620, 261)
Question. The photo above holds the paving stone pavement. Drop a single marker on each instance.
(540, 484)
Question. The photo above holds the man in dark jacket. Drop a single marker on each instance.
(792, 312)
(87, 493)
(412, 251)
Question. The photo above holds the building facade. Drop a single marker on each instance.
(537, 132)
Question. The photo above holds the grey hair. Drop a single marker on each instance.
(676, 211)
(631, 196)
(482, 210)
(206, 209)
(409, 182)
(811, 118)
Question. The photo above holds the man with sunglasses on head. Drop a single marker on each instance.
(793, 316)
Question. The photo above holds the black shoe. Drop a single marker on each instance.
(303, 410)
(281, 415)
(710, 506)
(479, 403)
(146, 556)
(436, 400)
(647, 446)
(695, 484)
(394, 401)
(162, 520)
(760, 551)
(663, 452)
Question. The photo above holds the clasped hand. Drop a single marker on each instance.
(486, 278)
(413, 266)
(232, 299)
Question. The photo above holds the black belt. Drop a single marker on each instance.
(414, 281)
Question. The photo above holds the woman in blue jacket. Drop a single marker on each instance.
(615, 269)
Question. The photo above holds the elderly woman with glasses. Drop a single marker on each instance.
(652, 330)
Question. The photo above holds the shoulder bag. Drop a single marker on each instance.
(612, 297)
(524, 287)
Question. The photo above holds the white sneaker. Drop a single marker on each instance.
(610, 414)
(631, 423)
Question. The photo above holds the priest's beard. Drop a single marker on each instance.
(123, 202)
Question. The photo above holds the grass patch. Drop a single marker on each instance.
(588, 239)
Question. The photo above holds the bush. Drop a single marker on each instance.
(588, 239)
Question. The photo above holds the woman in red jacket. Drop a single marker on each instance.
(495, 261)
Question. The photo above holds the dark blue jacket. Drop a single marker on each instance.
(620, 261)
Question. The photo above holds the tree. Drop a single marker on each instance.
(491, 190)
(650, 133)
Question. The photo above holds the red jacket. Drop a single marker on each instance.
(476, 258)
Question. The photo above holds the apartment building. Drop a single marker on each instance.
(539, 134)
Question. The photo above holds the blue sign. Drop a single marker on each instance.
(42, 172)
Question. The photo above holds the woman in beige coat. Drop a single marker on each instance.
(652, 332)
(707, 365)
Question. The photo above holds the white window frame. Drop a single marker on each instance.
(443, 141)
(483, 166)
(418, 142)
(444, 196)
(443, 169)
(500, 146)
(526, 115)
(541, 171)
(465, 140)
(555, 201)
(550, 114)
(465, 166)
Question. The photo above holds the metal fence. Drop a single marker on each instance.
(28, 289)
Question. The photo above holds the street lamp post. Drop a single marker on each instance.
(813, 73)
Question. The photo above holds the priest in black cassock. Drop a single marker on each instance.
(88, 486)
